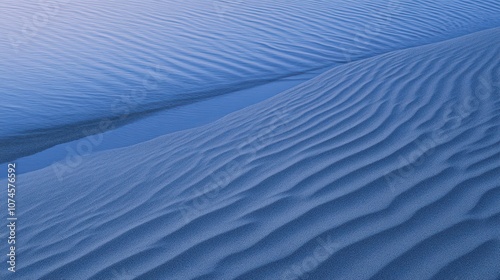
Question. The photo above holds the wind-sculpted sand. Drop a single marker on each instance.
(67, 65)
(383, 168)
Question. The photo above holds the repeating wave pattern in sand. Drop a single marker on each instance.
(384, 168)
(67, 64)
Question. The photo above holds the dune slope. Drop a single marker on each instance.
(384, 168)
(68, 64)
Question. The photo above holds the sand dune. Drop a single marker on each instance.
(67, 66)
(384, 168)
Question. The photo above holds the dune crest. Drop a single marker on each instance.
(381, 167)
(65, 67)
